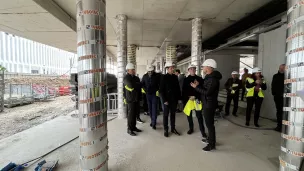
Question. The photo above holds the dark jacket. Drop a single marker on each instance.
(132, 82)
(169, 88)
(229, 86)
(263, 85)
(210, 89)
(277, 85)
(188, 91)
(151, 83)
(181, 79)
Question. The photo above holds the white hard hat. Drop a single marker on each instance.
(191, 66)
(210, 63)
(130, 66)
(150, 68)
(169, 64)
(256, 69)
(234, 73)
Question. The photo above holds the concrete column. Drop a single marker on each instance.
(171, 54)
(292, 147)
(91, 48)
(121, 61)
(131, 58)
(161, 67)
(196, 44)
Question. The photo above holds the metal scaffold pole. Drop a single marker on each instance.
(196, 44)
(292, 144)
(91, 51)
(121, 61)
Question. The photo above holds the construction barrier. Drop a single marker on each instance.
(64, 91)
(43, 92)
(18, 94)
(112, 103)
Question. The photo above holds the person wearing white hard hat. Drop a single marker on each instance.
(132, 91)
(190, 95)
(170, 94)
(244, 79)
(150, 84)
(255, 86)
(233, 86)
(209, 93)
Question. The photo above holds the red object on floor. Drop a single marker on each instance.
(64, 91)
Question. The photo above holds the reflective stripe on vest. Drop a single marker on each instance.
(192, 105)
(250, 91)
(128, 88)
(157, 94)
(143, 91)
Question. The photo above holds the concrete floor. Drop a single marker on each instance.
(238, 149)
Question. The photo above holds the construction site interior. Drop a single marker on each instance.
(62, 67)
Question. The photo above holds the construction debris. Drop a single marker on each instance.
(49, 81)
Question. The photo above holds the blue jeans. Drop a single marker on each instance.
(152, 105)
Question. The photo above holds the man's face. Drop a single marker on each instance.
(234, 76)
(171, 70)
(246, 71)
(258, 74)
(192, 71)
(176, 73)
(282, 69)
(205, 69)
(131, 71)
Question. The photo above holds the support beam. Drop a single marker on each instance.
(91, 90)
(58, 12)
(121, 61)
(196, 44)
(131, 54)
(292, 133)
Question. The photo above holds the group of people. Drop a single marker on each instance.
(171, 92)
(253, 86)
(195, 94)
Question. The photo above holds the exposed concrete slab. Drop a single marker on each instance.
(238, 148)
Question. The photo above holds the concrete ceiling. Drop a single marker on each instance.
(150, 23)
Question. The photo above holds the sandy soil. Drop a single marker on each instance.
(17, 119)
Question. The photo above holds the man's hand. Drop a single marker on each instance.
(166, 103)
(193, 85)
(258, 81)
(196, 82)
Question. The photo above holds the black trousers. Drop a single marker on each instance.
(145, 103)
(171, 108)
(257, 101)
(243, 93)
(279, 102)
(133, 112)
(199, 119)
(209, 119)
(235, 99)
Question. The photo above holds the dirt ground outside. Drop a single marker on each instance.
(17, 119)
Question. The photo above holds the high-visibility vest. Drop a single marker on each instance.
(192, 105)
(143, 91)
(157, 94)
(250, 91)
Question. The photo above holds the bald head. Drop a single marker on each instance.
(282, 68)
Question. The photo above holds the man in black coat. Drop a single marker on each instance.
(277, 88)
(132, 92)
(170, 93)
(209, 93)
(150, 84)
(189, 93)
(233, 86)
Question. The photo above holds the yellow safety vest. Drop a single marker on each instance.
(192, 105)
(234, 85)
(157, 94)
(143, 91)
(250, 91)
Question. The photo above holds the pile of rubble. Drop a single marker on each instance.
(49, 81)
